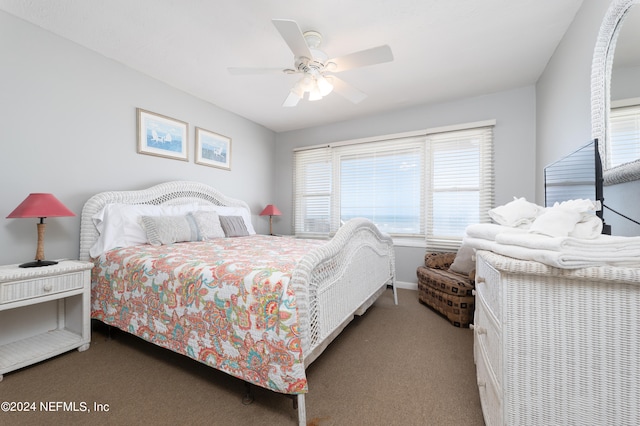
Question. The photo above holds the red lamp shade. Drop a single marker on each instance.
(40, 205)
(270, 210)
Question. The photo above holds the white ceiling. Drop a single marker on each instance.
(443, 49)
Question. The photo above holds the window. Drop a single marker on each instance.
(382, 182)
(459, 184)
(312, 199)
(428, 186)
(624, 143)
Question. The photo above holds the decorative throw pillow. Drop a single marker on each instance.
(208, 224)
(464, 262)
(170, 229)
(233, 211)
(233, 226)
(438, 260)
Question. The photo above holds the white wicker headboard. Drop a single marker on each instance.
(169, 193)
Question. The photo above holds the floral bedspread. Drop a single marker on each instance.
(225, 302)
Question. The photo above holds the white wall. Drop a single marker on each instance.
(563, 92)
(563, 96)
(514, 138)
(69, 128)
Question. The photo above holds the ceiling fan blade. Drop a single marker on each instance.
(363, 58)
(253, 71)
(292, 35)
(347, 91)
(292, 100)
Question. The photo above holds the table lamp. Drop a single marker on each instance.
(40, 205)
(270, 210)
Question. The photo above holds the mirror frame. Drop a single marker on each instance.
(601, 88)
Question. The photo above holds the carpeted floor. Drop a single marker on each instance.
(396, 365)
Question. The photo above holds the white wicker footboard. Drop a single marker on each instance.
(339, 280)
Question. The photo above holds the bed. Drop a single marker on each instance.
(261, 308)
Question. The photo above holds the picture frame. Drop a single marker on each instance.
(213, 149)
(162, 136)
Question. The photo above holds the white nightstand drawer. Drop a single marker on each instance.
(36, 287)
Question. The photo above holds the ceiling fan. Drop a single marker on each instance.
(317, 70)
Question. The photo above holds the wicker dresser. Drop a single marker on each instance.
(556, 346)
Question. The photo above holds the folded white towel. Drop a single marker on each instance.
(547, 257)
(579, 205)
(562, 219)
(556, 222)
(518, 212)
(488, 231)
(567, 235)
(607, 246)
(589, 227)
(554, 258)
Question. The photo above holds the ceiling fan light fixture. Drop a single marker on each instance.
(312, 89)
(317, 85)
(314, 94)
(307, 82)
(312, 63)
(298, 89)
(324, 85)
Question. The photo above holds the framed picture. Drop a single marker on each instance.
(213, 149)
(162, 136)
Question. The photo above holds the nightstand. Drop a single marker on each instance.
(44, 312)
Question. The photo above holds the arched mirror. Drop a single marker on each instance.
(615, 81)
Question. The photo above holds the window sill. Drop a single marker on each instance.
(414, 242)
(409, 242)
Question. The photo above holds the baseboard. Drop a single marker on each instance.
(407, 285)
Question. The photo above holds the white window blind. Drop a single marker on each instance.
(624, 143)
(460, 179)
(430, 186)
(312, 192)
(382, 181)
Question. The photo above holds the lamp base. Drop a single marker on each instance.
(38, 263)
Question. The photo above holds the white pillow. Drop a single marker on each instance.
(233, 211)
(119, 224)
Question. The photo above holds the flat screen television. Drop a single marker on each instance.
(577, 176)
